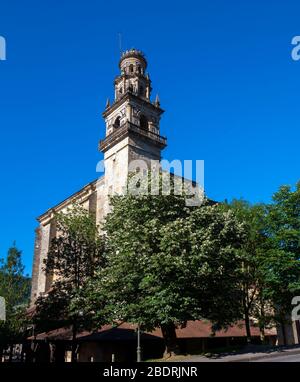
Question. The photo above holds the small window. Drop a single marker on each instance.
(117, 122)
(131, 68)
(143, 122)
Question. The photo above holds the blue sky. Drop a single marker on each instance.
(223, 70)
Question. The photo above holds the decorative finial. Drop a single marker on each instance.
(157, 101)
(107, 103)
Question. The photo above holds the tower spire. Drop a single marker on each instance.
(157, 101)
(132, 113)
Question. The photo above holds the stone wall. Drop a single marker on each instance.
(36, 264)
(45, 239)
(41, 282)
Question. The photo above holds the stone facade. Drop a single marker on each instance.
(132, 133)
(41, 281)
(36, 264)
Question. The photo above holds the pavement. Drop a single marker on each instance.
(282, 358)
(253, 354)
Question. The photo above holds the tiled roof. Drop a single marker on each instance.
(126, 331)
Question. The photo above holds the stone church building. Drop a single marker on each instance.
(132, 132)
(132, 125)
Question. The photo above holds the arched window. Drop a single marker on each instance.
(139, 70)
(117, 122)
(143, 122)
(130, 68)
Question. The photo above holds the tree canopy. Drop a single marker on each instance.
(168, 263)
(15, 289)
(161, 263)
(74, 255)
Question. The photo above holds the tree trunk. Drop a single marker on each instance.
(52, 352)
(74, 333)
(247, 320)
(262, 335)
(22, 355)
(262, 325)
(11, 346)
(169, 334)
(283, 332)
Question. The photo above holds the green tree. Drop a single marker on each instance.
(167, 263)
(15, 288)
(282, 261)
(253, 253)
(74, 255)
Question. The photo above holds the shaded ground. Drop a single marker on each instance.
(281, 358)
(250, 353)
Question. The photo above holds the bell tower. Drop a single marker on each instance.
(132, 121)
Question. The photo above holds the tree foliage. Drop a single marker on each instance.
(253, 253)
(271, 254)
(168, 263)
(74, 255)
(15, 289)
(162, 263)
(282, 261)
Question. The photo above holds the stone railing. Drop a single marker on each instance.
(125, 129)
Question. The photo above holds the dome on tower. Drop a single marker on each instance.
(133, 56)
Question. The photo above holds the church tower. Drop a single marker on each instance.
(132, 122)
(132, 133)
